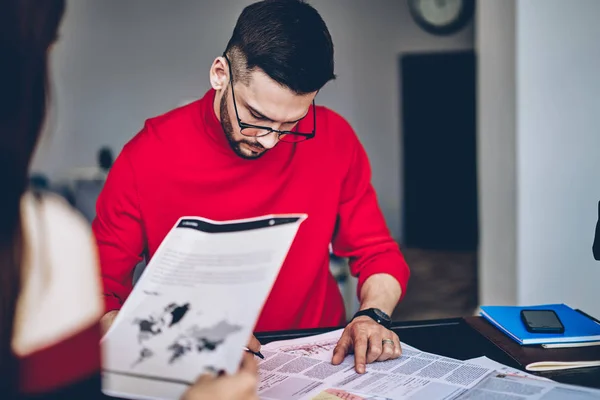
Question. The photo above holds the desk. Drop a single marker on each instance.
(454, 338)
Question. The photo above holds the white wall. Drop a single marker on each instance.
(120, 62)
(558, 151)
(554, 87)
(496, 151)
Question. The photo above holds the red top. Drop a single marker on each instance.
(181, 164)
(70, 364)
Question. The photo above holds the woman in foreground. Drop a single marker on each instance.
(50, 298)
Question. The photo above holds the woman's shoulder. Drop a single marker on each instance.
(58, 230)
(49, 207)
(61, 290)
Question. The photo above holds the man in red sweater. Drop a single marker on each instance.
(256, 144)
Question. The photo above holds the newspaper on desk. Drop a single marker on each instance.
(195, 305)
(500, 386)
(301, 369)
(504, 369)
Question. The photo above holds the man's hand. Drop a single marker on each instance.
(107, 320)
(369, 341)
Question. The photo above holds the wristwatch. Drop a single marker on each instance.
(377, 315)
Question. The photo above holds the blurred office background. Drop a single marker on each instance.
(483, 139)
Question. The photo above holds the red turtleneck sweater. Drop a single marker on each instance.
(181, 164)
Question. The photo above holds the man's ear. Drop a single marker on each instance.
(219, 73)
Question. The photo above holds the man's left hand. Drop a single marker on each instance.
(369, 341)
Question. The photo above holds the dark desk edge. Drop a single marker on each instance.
(396, 326)
(579, 376)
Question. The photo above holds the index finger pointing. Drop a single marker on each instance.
(360, 353)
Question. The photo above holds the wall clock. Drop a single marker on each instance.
(442, 17)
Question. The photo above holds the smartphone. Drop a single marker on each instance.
(542, 321)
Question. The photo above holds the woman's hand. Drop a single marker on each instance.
(240, 386)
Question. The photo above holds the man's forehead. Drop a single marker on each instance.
(274, 100)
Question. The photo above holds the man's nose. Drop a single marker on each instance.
(269, 140)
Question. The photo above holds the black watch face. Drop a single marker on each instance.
(381, 314)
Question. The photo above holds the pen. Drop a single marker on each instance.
(256, 353)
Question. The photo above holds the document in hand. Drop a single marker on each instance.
(195, 305)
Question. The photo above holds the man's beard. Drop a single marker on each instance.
(228, 129)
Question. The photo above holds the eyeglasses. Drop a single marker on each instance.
(255, 131)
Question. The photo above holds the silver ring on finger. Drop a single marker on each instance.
(387, 341)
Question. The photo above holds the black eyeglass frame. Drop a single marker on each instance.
(300, 137)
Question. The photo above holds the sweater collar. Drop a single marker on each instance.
(211, 124)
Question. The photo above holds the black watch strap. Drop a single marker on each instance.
(377, 315)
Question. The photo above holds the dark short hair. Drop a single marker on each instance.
(288, 40)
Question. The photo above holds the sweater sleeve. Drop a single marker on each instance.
(361, 232)
(118, 231)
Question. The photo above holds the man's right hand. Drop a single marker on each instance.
(107, 320)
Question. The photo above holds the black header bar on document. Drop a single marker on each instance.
(205, 226)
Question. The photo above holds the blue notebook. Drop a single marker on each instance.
(578, 327)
